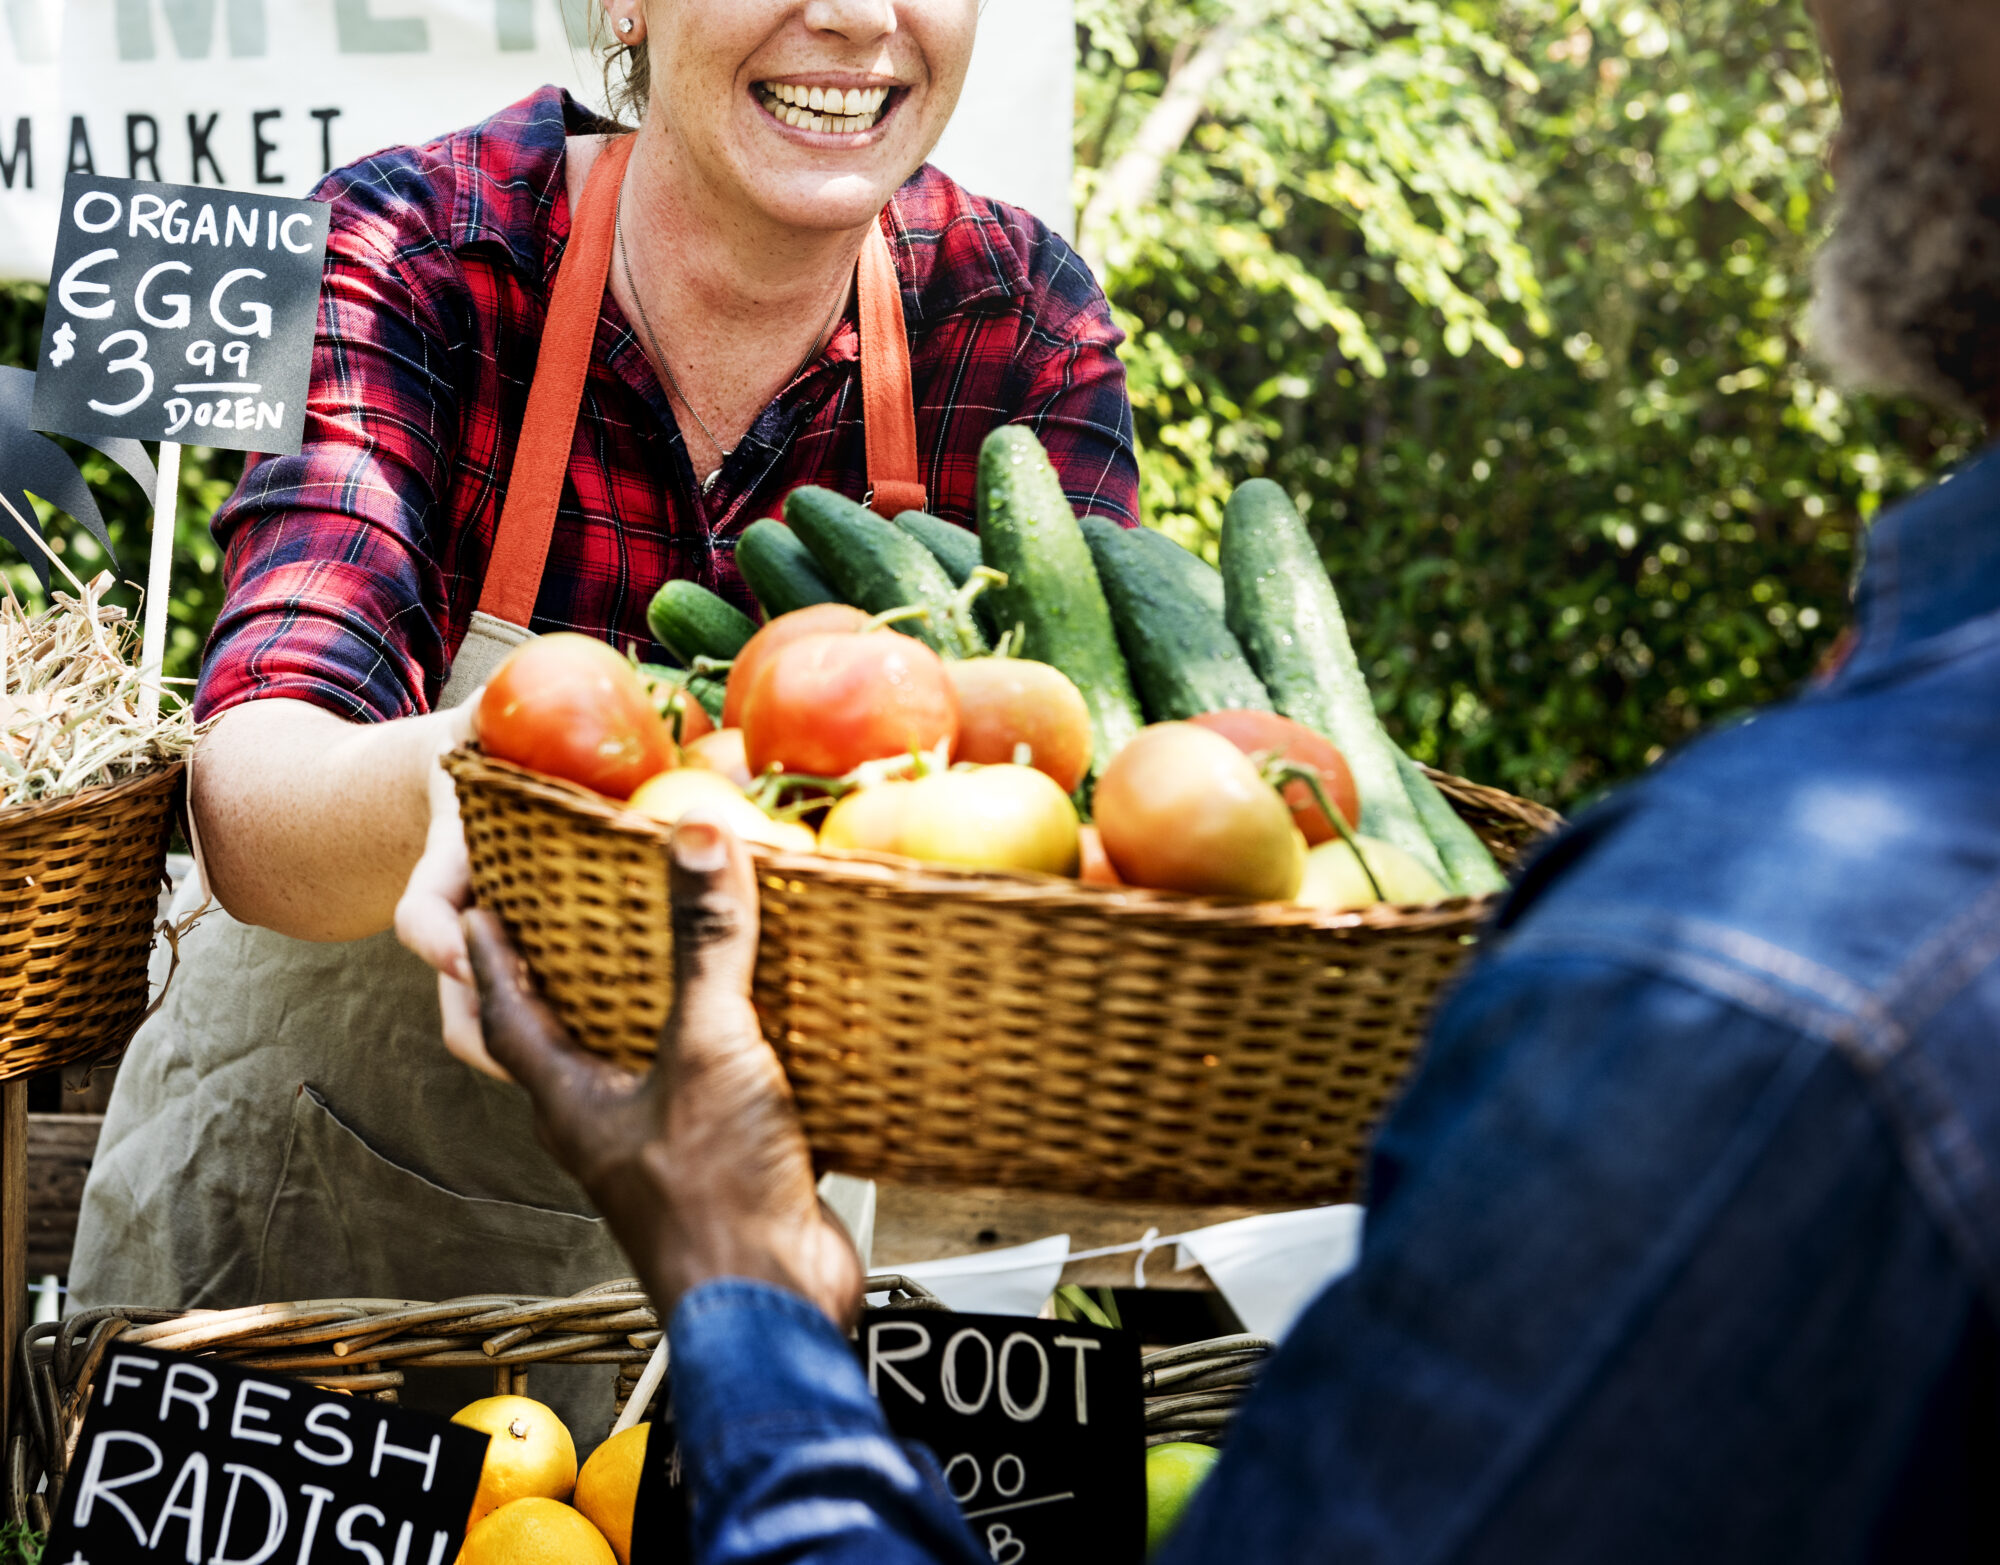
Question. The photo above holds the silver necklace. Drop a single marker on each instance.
(723, 453)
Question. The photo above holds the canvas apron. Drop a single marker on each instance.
(289, 1125)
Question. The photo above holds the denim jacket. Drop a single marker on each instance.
(1684, 1243)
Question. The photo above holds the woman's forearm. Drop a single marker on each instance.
(310, 824)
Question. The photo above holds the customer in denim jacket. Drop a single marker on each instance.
(1685, 1243)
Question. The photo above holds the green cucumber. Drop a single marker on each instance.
(692, 622)
(956, 549)
(1283, 609)
(1201, 577)
(780, 570)
(878, 567)
(1027, 530)
(1471, 867)
(1181, 654)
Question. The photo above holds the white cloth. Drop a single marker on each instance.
(1013, 1281)
(1271, 1267)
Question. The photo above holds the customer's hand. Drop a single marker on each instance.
(700, 1167)
(428, 913)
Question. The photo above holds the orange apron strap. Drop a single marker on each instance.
(888, 408)
(541, 459)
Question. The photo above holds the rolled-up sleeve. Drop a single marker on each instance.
(332, 595)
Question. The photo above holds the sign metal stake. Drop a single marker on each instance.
(159, 580)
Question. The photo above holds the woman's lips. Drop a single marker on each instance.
(833, 111)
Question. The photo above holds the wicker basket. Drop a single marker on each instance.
(367, 1347)
(975, 1028)
(81, 879)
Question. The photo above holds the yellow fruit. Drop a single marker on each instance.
(1334, 879)
(670, 795)
(1173, 1472)
(535, 1532)
(991, 817)
(531, 1455)
(870, 820)
(608, 1487)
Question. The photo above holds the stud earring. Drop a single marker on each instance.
(625, 25)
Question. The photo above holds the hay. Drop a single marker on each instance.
(71, 710)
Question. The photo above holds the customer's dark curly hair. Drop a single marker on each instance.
(1909, 283)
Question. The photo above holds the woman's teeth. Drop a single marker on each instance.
(827, 109)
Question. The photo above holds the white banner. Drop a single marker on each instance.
(268, 95)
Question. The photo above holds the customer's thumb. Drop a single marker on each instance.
(714, 887)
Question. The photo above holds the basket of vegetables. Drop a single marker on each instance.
(89, 777)
(1210, 989)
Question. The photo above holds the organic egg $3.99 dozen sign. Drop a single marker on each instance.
(195, 1461)
(179, 312)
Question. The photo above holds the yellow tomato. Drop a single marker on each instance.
(669, 796)
(1334, 879)
(1182, 809)
(869, 820)
(991, 817)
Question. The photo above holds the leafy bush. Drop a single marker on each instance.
(1555, 570)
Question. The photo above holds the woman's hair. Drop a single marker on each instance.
(628, 81)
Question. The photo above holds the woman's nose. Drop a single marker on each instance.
(858, 21)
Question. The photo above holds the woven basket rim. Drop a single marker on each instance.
(1018, 889)
(158, 776)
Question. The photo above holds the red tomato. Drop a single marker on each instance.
(571, 707)
(1004, 703)
(1266, 733)
(819, 620)
(825, 704)
(1095, 868)
(1182, 809)
(686, 718)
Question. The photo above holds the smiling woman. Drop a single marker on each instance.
(560, 362)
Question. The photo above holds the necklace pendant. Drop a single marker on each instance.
(708, 483)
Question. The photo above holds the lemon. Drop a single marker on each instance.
(535, 1532)
(531, 1455)
(607, 1489)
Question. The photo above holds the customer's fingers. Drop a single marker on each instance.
(714, 889)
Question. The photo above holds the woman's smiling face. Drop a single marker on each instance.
(811, 112)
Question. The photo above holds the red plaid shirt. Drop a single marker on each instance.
(352, 569)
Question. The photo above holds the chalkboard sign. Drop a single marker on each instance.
(181, 312)
(192, 1459)
(660, 1511)
(1039, 1427)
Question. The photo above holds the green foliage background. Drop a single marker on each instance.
(1507, 292)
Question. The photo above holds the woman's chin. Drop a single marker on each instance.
(811, 196)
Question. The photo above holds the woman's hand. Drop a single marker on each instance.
(700, 1167)
(428, 912)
